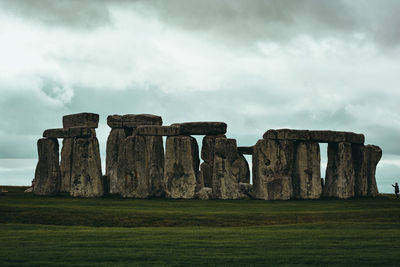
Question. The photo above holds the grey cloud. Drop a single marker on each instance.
(83, 14)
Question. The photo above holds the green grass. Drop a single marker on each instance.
(61, 230)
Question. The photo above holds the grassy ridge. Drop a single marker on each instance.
(60, 231)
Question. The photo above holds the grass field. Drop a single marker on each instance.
(61, 231)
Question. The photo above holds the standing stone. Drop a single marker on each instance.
(226, 169)
(372, 155)
(361, 177)
(242, 168)
(307, 171)
(113, 154)
(66, 164)
(86, 177)
(340, 173)
(47, 174)
(207, 154)
(181, 166)
(273, 169)
(133, 180)
(155, 165)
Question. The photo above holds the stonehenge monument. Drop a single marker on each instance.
(285, 162)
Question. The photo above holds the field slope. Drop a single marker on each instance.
(57, 231)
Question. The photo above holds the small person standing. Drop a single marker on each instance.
(396, 189)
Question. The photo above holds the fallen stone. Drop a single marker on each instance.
(90, 120)
(29, 190)
(181, 166)
(204, 194)
(307, 171)
(47, 174)
(114, 152)
(225, 180)
(273, 169)
(340, 172)
(201, 128)
(336, 137)
(133, 120)
(287, 134)
(69, 132)
(245, 150)
(246, 190)
(155, 130)
(86, 177)
(66, 164)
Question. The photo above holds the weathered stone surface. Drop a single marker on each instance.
(141, 167)
(114, 151)
(47, 174)
(273, 169)
(86, 177)
(29, 190)
(241, 167)
(287, 134)
(90, 120)
(245, 150)
(372, 156)
(246, 190)
(157, 130)
(155, 165)
(66, 164)
(69, 132)
(206, 170)
(204, 194)
(336, 137)
(314, 136)
(226, 169)
(181, 166)
(340, 172)
(207, 154)
(201, 128)
(366, 160)
(307, 171)
(133, 120)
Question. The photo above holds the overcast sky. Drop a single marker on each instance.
(256, 65)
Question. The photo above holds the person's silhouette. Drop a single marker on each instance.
(396, 189)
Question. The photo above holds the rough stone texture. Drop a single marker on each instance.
(207, 154)
(133, 120)
(140, 167)
(246, 190)
(314, 136)
(273, 169)
(90, 120)
(340, 172)
(226, 169)
(29, 190)
(336, 137)
(157, 130)
(307, 171)
(47, 174)
(287, 134)
(201, 128)
(372, 156)
(204, 194)
(181, 166)
(86, 177)
(69, 132)
(245, 150)
(66, 164)
(242, 167)
(114, 151)
(366, 159)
